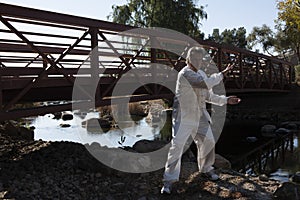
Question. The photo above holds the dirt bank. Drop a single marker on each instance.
(65, 170)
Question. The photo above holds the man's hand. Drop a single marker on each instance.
(228, 68)
(232, 100)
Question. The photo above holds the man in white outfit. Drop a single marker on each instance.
(190, 117)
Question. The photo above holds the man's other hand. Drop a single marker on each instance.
(232, 100)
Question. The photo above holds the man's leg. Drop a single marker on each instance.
(206, 150)
(173, 164)
(205, 154)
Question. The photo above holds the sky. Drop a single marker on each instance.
(226, 14)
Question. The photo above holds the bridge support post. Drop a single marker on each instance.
(240, 61)
(291, 142)
(1, 94)
(219, 59)
(153, 53)
(94, 58)
(291, 78)
(270, 77)
(281, 75)
(45, 64)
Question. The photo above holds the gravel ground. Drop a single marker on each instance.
(65, 170)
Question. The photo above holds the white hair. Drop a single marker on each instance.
(195, 52)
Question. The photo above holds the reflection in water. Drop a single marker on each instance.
(281, 175)
(49, 129)
(279, 158)
(290, 165)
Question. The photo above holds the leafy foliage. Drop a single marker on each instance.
(289, 14)
(286, 40)
(236, 37)
(180, 15)
(262, 35)
(288, 23)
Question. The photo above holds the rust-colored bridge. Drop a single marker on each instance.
(41, 53)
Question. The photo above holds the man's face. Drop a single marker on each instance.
(197, 60)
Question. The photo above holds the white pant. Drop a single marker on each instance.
(205, 143)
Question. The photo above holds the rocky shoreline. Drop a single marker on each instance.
(65, 170)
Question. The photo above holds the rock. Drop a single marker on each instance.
(10, 130)
(108, 117)
(296, 177)
(26, 133)
(263, 178)
(138, 109)
(95, 125)
(290, 124)
(221, 162)
(57, 115)
(104, 123)
(287, 191)
(18, 132)
(65, 125)
(282, 131)
(251, 139)
(144, 146)
(67, 116)
(268, 131)
(268, 128)
(94, 145)
(81, 114)
(98, 175)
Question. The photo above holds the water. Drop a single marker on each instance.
(49, 129)
(285, 163)
(290, 165)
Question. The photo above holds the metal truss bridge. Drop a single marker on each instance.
(43, 54)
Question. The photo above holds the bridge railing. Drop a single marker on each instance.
(253, 72)
(42, 52)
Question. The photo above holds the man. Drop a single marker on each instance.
(190, 117)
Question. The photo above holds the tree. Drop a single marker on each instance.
(288, 15)
(216, 37)
(286, 40)
(235, 37)
(180, 15)
(240, 37)
(263, 36)
(288, 23)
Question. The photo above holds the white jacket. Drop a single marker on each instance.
(207, 95)
(193, 90)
